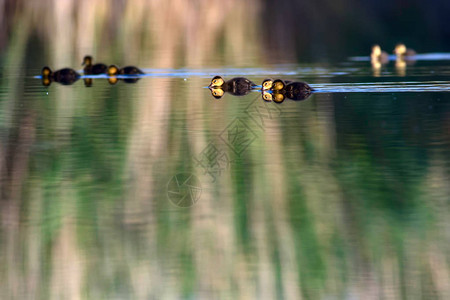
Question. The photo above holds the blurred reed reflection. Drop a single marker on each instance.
(340, 196)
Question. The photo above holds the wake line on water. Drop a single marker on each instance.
(383, 87)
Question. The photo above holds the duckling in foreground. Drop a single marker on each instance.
(401, 51)
(378, 57)
(288, 86)
(64, 76)
(294, 90)
(89, 68)
(129, 70)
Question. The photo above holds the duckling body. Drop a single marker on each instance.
(89, 68)
(63, 76)
(294, 90)
(128, 70)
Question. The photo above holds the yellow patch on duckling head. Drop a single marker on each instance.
(217, 81)
(266, 96)
(376, 50)
(267, 84)
(400, 49)
(278, 85)
(46, 72)
(217, 93)
(113, 70)
(87, 60)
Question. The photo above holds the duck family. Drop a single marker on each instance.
(68, 76)
(271, 90)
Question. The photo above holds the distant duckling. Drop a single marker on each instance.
(63, 76)
(401, 51)
(129, 70)
(378, 56)
(89, 68)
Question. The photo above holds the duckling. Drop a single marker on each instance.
(63, 76)
(293, 90)
(129, 70)
(267, 84)
(401, 51)
(237, 83)
(291, 87)
(378, 57)
(238, 86)
(93, 69)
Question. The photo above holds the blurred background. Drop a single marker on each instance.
(341, 196)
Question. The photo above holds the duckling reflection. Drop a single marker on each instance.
(87, 82)
(217, 93)
(64, 76)
(89, 68)
(128, 70)
(266, 96)
(113, 80)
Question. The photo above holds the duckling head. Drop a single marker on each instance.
(87, 60)
(46, 72)
(266, 96)
(376, 50)
(217, 81)
(217, 93)
(267, 84)
(278, 85)
(400, 49)
(113, 70)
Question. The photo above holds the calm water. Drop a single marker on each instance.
(158, 190)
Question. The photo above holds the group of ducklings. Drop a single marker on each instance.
(403, 56)
(68, 76)
(271, 90)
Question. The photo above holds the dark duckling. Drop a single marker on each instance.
(64, 76)
(294, 90)
(129, 70)
(238, 86)
(89, 68)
